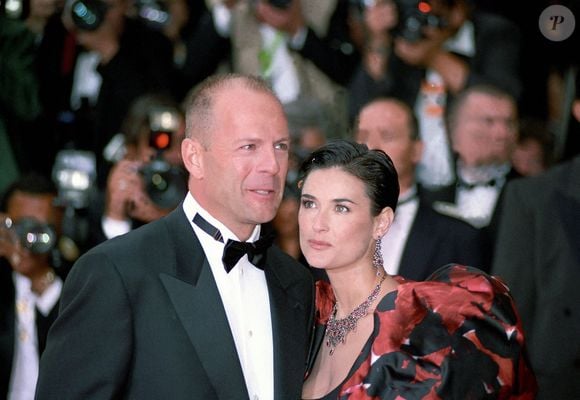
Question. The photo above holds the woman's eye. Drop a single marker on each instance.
(342, 209)
(307, 203)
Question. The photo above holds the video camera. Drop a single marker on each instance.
(165, 184)
(36, 236)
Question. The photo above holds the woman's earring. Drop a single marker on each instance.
(378, 256)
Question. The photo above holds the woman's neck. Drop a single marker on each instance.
(352, 287)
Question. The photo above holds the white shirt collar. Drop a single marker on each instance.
(192, 207)
(463, 42)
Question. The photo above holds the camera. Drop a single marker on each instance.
(414, 15)
(165, 184)
(74, 173)
(36, 236)
(153, 12)
(88, 15)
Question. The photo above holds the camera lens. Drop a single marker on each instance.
(88, 15)
(36, 236)
(165, 184)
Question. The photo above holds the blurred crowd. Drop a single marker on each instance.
(465, 96)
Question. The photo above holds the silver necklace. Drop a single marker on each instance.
(337, 329)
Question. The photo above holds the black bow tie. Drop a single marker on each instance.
(465, 185)
(235, 250)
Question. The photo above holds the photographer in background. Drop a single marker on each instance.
(147, 179)
(95, 62)
(424, 53)
(30, 284)
(303, 48)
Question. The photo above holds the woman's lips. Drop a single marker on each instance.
(318, 244)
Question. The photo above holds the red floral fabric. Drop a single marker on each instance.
(455, 336)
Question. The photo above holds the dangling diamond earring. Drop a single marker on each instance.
(378, 256)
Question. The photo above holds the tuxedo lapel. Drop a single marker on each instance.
(286, 308)
(197, 302)
(418, 248)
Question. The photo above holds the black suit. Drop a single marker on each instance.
(436, 240)
(8, 326)
(141, 318)
(448, 194)
(538, 255)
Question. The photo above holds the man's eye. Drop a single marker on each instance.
(249, 147)
(342, 209)
(307, 203)
(282, 146)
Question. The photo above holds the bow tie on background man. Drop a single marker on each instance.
(235, 250)
(495, 182)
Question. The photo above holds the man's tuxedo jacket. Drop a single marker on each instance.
(141, 318)
(538, 255)
(436, 240)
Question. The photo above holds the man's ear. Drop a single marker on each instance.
(192, 155)
(383, 222)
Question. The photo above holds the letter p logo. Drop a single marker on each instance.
(557, 23)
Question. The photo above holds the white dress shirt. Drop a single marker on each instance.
(477, 198)
(245, 297)
(393, 242)
(281, 72)
(86, 81)
(25, 364)
(436, 166)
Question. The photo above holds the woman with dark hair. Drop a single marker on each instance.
(456, 335)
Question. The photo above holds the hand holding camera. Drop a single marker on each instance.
(26, 244)
(126, 195)
(423, 28)
(145, 185)
(10, 247)
(423, 52)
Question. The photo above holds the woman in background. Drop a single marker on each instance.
(455, 336)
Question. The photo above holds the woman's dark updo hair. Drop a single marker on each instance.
(373, 167)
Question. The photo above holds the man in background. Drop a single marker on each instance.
(420, 240)
(30, 285)
(538, 255)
